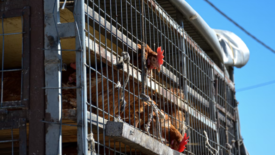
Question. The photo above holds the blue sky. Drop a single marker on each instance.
(257, 106)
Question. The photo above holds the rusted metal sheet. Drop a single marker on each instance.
(137, 139)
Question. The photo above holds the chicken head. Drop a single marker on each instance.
(179, 145)
(154, 62)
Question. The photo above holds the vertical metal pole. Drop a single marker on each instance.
(183, 68)
(225, 107)
(52, 77)
(217, 113)
(213, 114)
(82, 143)
(238, 129)
(212, 102)
(144, 70)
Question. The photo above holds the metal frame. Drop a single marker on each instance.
(12, 119)
(54, 32)
(53, 64)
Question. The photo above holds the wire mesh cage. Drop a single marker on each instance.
(114, 33)
(123, 77)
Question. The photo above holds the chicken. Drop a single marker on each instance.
(168, 130)
(135, 113)
(178, 116)
(104, 95)
(178, 92)
(153, 59)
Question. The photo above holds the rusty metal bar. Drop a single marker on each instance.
(37, 95)
(26, 57)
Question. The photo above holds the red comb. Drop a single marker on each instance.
(183, 143)
(160, 56)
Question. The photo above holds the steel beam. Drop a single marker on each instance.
(53, 67)
(82, 143)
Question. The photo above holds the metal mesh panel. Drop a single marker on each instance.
(119, 26)
(226, 107)
(14, 81)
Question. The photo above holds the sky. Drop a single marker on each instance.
(256, 106)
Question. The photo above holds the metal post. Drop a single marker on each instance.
(184, 69)
(213, 101)
(217, 114)
(82, 143)
(52, 77)
(144, 70)
(238, 129)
